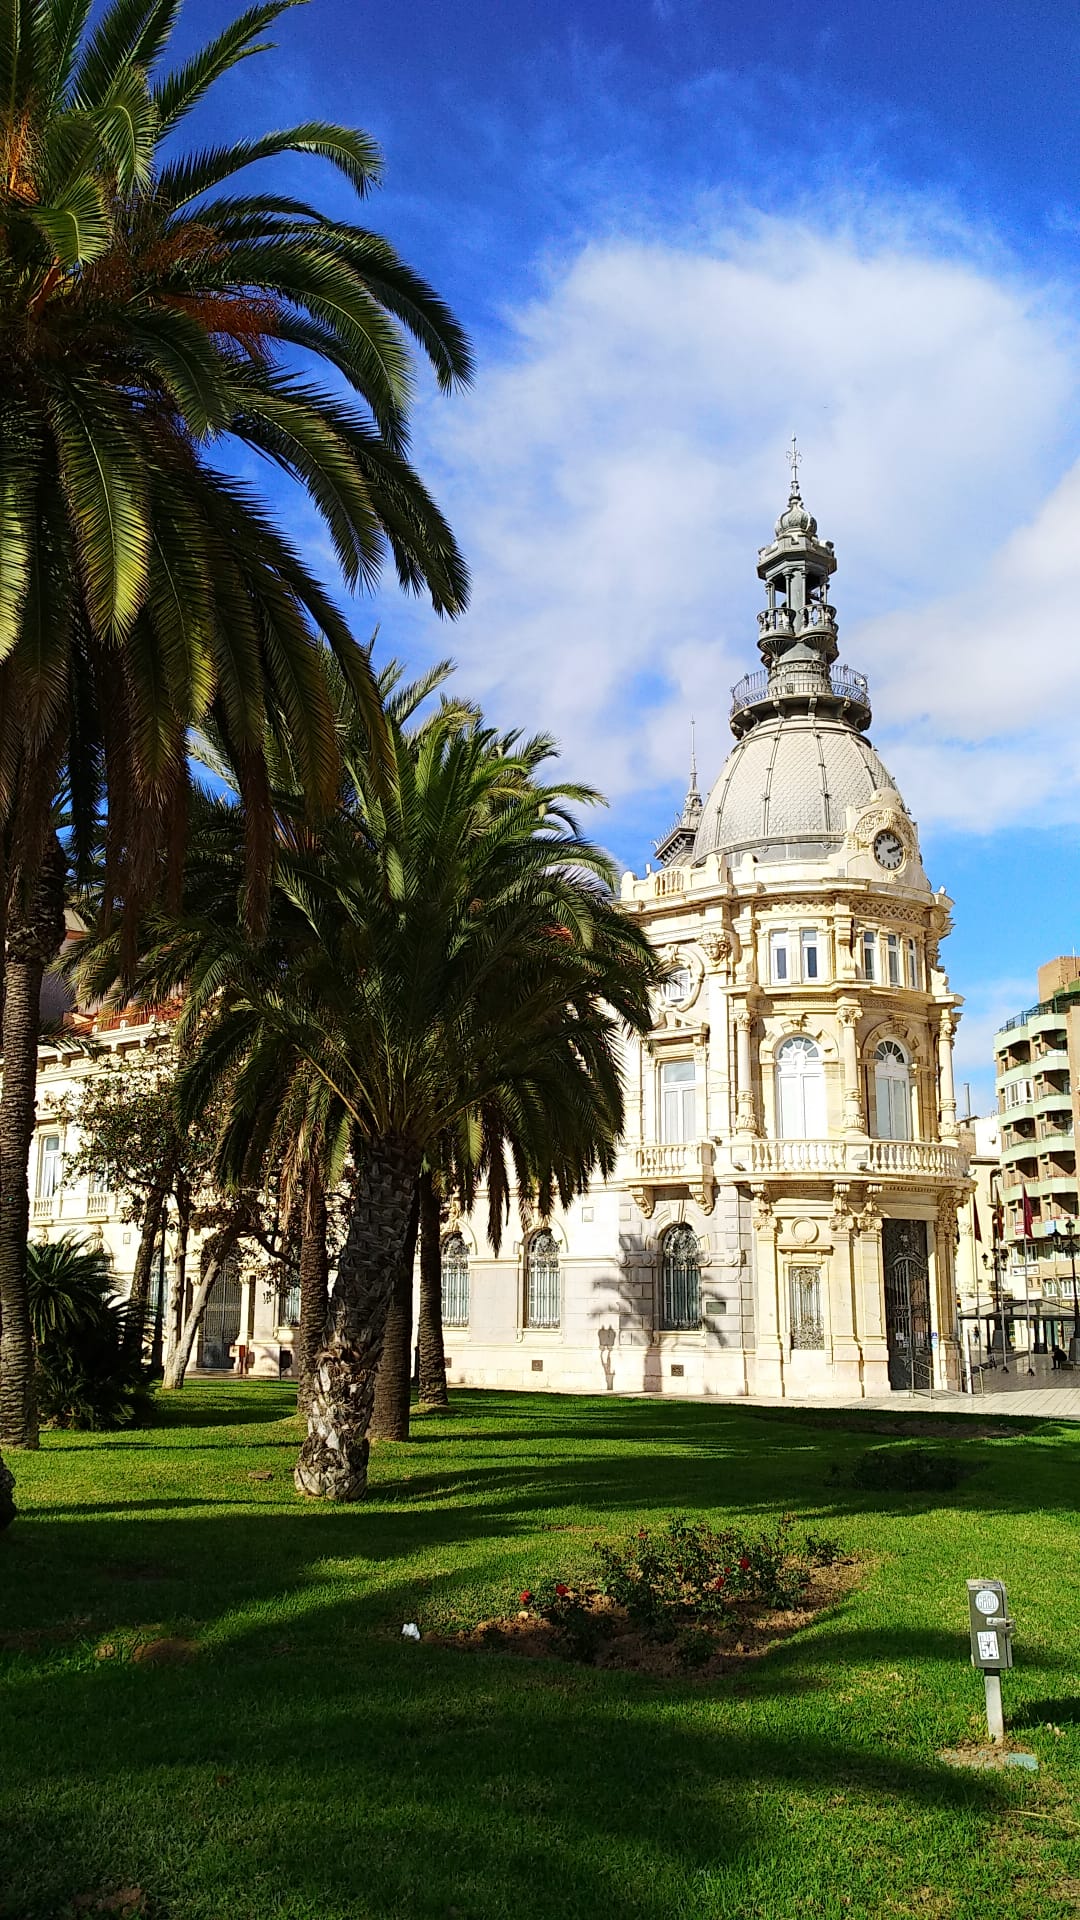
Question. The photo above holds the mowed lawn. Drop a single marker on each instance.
(308, 1762)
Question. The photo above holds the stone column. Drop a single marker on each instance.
(848, 1015)
(947, 1367)
(870, 1295)
(846, 1353)
(946, 1090)
(768, 1343)
(746, 1120)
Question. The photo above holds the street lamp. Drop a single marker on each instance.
(1069, 1242)
(997, 1262)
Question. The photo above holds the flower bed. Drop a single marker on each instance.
(683, 1598)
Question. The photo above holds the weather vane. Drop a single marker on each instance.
(794, 462)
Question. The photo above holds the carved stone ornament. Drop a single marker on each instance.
(840, 1219)
(885, 819)
(718, 948)
(947, 1216)
(642, 1198)
(805, 1232)
(868, 1216)
(762, 1211)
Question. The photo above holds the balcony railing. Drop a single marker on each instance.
(781, 682)
(44, 1209)
(922, 1159)
(657, 1161)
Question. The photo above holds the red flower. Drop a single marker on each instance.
(718, 1582)
(525, 1597)
(744, 1563)
(561, 1590)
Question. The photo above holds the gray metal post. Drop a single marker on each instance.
(995, 1719)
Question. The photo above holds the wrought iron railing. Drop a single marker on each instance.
(844, 684)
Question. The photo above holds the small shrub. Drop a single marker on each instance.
(689, 1571)
(907, 1469)
(90, 1371)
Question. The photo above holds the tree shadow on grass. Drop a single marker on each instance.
(397, 1781)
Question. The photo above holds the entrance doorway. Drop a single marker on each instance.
(907, 1304)
(221, 1322)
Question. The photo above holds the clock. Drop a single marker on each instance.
(987, 1600)
(889, 850)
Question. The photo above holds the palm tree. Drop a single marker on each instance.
(150, 314)
(450, 963)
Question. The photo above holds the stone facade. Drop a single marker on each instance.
(783, 1219)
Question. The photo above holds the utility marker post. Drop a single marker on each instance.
(991, 1645)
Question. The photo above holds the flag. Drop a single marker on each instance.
(1028, 1216)
(975, 1211)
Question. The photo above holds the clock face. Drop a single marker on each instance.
(987, 1600)
(889, 851)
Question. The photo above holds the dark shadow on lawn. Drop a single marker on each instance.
(399, 1782)
(1048, 1713)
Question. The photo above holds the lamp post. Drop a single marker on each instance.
(996, 1261)
(1069, 1242)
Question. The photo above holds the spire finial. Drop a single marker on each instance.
(794, 460)
(692, 803)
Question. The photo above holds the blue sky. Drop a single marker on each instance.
(677, 231)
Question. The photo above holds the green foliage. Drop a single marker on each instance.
(89, 1344)
(908, 1469)
(689, 1572)
(152, 311)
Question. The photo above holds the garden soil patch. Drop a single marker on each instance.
(696, 1649)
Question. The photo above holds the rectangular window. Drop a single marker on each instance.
(99, 1183)
(779, 971)
(892, 958)
(808, 940)
(869, 956)
(807, 1326)
(676, 987)
(678, 1100)
(913, 979)
(49, 1166)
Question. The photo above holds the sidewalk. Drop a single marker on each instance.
(1035, 1403)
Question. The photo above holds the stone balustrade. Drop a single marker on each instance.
(892, 1159)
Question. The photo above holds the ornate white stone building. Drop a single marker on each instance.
(783, 1219)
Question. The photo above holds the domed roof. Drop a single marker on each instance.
(796, 518)
(790, 778)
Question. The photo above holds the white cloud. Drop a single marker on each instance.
(615, 471)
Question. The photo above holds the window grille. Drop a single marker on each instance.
(542, 1306)
(288, 1303)
(680, 1281)
(807, 1326)
(455, 1281)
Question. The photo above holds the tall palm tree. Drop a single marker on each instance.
(150, 315)
(450, 963)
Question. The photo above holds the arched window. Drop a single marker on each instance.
(542, 1305)
(892, 1091)
(800, 1090)
(680, 1281)
(455, 1281)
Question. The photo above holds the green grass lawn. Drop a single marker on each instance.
(308, 1762)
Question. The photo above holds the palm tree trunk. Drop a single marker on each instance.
(314, 1283)
(393, 1387)
(7, 1496)
(333, 1459)
(432, 1352)
(35, 932)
